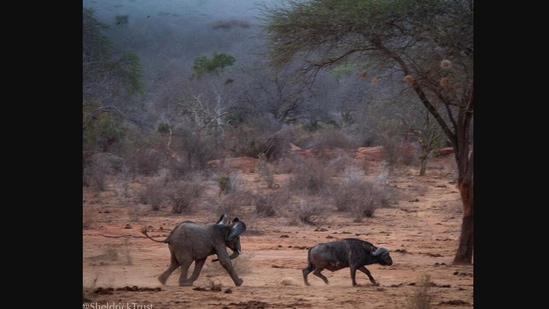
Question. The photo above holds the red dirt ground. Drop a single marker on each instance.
(120, 266)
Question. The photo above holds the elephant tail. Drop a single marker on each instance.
(144, 232)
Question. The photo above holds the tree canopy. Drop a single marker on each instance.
(203, 65)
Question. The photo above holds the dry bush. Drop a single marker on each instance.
(152, 193)
(244, 141)
(341, 160)
(421, 299)
(143, 161)
(122, 183)
(310, 175)
(360, 196)
(266, 172)
(332, 139)
(95, 177)
(182, 194)
(397, 152)
(228, 183)
(287, 164)
(271, 204)
(232, 202)
(98, 166)
(309, 211)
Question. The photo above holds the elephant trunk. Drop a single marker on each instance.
(234, 254)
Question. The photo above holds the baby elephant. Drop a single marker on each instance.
(191, 242)
(349, 252)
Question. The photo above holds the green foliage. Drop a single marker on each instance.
(312, 126)
(104, 75)
(163, 128)
(94, 42)
(334, 124)
(130, 69)
(218, 62)
(341, 70)
(225, 184)
(101, 128)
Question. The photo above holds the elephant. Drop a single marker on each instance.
(190, 241)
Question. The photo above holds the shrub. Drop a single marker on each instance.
(95, 177)
(309, 211)
(398, 152)
(228, 183)
(360, 196)
(152, 193)
(182, 194)
(310, 175)
(232, 202)
(421, 299)
(143, 161)
(270, 205)
(266, 172)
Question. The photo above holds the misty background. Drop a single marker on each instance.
(247, 106)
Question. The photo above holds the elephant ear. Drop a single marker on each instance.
(224, 219)
(238, 228)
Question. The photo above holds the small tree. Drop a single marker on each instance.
(200, 109)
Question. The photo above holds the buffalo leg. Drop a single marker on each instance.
(306, 272)
(353, 274)
(367, 272)
(317, 273)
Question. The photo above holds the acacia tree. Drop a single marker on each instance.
(429, 42)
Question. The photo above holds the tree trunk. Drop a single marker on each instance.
(464, 254)
(422, 166)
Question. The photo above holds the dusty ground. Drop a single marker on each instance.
(120, 266)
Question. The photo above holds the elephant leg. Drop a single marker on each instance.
(183, 281)
(197, 268)
(225, 261)
(173, 266)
